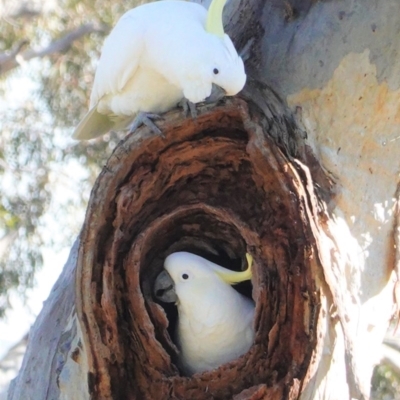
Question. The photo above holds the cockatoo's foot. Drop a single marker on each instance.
(146, 119)
(188, 106)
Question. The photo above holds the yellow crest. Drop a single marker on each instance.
(233, 277)
(214, 18)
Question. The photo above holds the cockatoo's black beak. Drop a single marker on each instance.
(164, 288)
(217, 93)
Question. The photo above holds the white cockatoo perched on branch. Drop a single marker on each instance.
(215, 322)
(158, 55)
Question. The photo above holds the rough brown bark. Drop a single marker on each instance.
(217, 186)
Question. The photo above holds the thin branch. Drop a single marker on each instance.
(17, 48)
(15, 57)
(25, 9)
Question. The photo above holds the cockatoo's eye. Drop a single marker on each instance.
(216, 71)
(185, 276)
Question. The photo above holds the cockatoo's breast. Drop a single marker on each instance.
(145, 91)
(215, 333)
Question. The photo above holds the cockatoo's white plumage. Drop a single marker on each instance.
(156, 55)
(215, 322)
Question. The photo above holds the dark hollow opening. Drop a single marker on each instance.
(200, 233)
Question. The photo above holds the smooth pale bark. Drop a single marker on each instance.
(49, 371)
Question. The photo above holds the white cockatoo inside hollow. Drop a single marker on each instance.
(215, 322)
(158, 55)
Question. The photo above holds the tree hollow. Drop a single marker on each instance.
(219, 187)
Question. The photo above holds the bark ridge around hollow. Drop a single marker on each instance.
(217, 186)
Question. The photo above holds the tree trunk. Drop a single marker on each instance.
(301, 171)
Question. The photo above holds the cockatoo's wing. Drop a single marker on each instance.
(120, 56)
(118, 63)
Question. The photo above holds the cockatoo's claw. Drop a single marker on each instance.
(193, 110)
(187, 107)
(152, 116)
(146, 119)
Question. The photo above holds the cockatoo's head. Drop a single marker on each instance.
(186, 273)
(228, 69)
